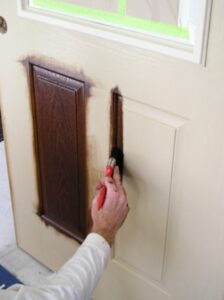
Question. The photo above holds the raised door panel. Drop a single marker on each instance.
(139, 252)
(59, 124)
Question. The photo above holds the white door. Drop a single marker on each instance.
(172, 244)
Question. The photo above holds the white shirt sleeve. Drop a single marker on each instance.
(76, 280)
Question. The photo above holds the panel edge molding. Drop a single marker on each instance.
(148, 280)
(154, 113)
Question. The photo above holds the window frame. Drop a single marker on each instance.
(192, 49)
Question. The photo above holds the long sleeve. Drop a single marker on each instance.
(76, 280)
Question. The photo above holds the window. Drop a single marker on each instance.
(175, 27)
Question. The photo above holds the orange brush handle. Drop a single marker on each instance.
(102, 195)
(101, 198)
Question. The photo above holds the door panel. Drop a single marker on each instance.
(171, 246)
(59, 114)
(140, 246)
(123, 283)
(148, 175)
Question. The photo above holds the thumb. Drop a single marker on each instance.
(109, 183)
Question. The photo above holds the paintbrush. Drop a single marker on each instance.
(116, 159)
(116, 154)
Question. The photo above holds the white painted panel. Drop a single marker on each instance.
(165, 11)
(148, 148)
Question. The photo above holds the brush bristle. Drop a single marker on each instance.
(119, 157)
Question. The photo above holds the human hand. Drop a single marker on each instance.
(108, 219)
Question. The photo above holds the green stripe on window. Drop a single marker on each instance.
(119, 18)
(122, 7)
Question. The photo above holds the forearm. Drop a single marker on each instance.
(76, 280)
(83, 271)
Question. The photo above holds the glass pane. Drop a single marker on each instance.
(158, 16)
(163, 11)
(109, 5)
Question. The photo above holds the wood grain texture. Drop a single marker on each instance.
(59, 105)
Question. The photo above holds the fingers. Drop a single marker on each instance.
(116, 180)
(100, 183)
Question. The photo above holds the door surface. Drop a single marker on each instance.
(1, 129)
(172, 244)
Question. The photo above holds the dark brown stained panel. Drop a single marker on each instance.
(59, 106)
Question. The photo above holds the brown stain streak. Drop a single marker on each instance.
(116, 125)
(59, 68)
